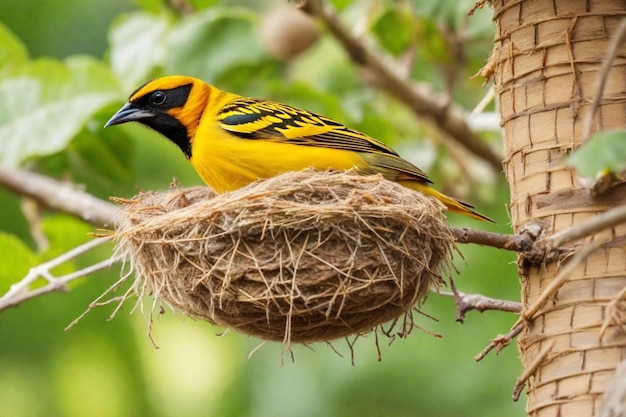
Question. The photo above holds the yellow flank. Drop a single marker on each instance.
(232, 141)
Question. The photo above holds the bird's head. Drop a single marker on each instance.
(170, 105)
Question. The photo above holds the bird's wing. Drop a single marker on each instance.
(249, 118)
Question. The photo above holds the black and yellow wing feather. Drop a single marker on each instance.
(267, 120)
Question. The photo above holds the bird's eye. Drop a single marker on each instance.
(157, 98)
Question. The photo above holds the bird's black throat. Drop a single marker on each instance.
(171, 128)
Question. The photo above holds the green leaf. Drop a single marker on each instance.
(109, 155)
(443, 11)
(63, 233)
(605, 151)
(340, 4)
(325, 67)
(137, 46)
(16, 258)
(394, 30)
(202, 4)
(433, 44)
(211, 43)
(43, 109)
(12, 50)
(150, 5)
(12, 220)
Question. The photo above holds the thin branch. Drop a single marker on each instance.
(608, 219)
(582, 254)
(603, 75)
(614, 313)
(19, 292)
(66, 197)
(59, 195)
(614, 400)
(484, 102)
(531, 369)
(424, 102)
(468, 302)
(517, 243)
(500, 342)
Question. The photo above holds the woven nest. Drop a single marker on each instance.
(302, 257)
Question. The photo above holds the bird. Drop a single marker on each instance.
(232, 140)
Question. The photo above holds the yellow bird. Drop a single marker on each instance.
(232, 140)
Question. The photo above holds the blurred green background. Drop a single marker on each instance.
(66, 66)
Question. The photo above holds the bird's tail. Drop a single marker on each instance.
(454, 205)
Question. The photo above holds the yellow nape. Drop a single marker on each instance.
(226, 162)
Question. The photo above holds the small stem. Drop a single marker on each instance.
(500, 342)
(468, 302)
(582, 254)
(603, 75)
(531, 369)
(517, 243)
(59, 195)
(596, 224)
(19, 291)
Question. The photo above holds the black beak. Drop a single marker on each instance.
(128, 113)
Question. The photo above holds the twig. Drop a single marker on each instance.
(424, 102)
(597, 223)
(517, 243)
(59, 195)
(503, 340)
(557, 282)
(65, 197)
(19, 292)
(468, 302)
(614, 312)
(484, 102)
(136, 288)
(500, 342)
(530, 369)
(614, 400)
(603, 75)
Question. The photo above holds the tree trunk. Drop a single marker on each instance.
(547, 56)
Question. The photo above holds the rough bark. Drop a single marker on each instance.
(547, 56)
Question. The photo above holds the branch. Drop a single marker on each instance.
(500, 342)
(603, 75)
(63, 196)
(596, 224)
(518, 243)
(531, 369)
(468, 302)
(20, 292)
(614, 400)
(66, 197)
(424, 102)
(529, 313)
(614, 315)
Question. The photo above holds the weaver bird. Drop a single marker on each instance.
(232, 140)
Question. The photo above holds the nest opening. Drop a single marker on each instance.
(306, 256)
